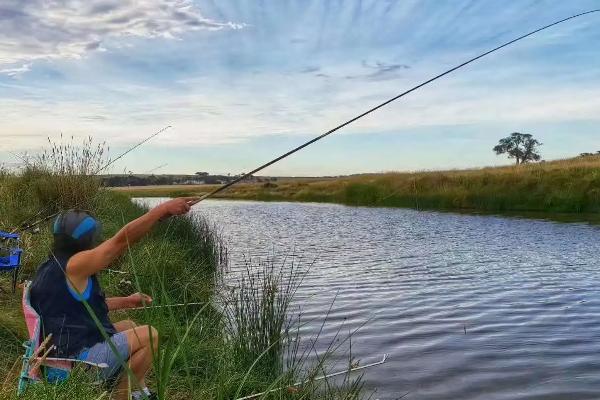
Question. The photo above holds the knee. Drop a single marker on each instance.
(141, 337)
(151, 336)
(125, 325)
(129, 323)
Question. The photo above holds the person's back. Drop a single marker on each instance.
(62, 311)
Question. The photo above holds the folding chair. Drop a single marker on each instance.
(37, 366)
(10, 255)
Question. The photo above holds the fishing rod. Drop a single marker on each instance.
(161, 306)
(156, 168)
(131, 149)
(15, 155)
(377, 107)
(24, 226)
(319, 378)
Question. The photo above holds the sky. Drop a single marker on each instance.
(240, 82)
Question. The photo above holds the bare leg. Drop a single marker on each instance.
(124, 325)
(143, 341)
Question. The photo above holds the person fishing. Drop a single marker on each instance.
(69, 276)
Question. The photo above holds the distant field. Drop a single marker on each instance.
(166, 190)
(240, 190)
(563, 186)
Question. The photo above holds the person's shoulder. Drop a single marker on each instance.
(59, 259)
(38, 282)
(54, 263)
(48, 262)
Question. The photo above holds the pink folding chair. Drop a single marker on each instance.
(37, 366)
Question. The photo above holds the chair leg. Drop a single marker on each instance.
(15, 278)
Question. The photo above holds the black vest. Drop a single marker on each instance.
(63, 314)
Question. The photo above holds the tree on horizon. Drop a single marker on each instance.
(520, 146)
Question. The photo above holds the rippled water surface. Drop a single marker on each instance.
(467, 307)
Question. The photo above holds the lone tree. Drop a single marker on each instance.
(520, 146)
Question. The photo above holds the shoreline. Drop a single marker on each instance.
(568, 218)
(564, 190)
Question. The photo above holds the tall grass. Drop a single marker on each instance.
(257, 315)
(60, 178)
(70, 171)
(263, 337)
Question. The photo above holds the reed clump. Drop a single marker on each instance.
(69, 172)
(61, 177)
(257, 315)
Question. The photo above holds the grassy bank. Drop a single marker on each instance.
(178, 249)
(233, 344)
(564, 186)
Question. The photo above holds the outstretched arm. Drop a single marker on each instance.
(86, 263)
(132, 301)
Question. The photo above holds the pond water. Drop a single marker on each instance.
(467, 307)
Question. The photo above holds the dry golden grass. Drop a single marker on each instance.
(571, 186)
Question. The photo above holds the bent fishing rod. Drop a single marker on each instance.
(377, 107)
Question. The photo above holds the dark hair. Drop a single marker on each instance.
(75, 231)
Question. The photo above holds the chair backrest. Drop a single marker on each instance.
(34, 328)
(15, 257)
(11, 257)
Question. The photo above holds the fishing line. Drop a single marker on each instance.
(23, 226)
(377, 107)
(155, 168)
(131, 149)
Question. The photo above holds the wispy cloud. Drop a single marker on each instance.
(379, 71)
(15, 71)
(310, 70)
(94, 118)
(39, 29)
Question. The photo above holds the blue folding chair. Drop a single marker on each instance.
(10, 255)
